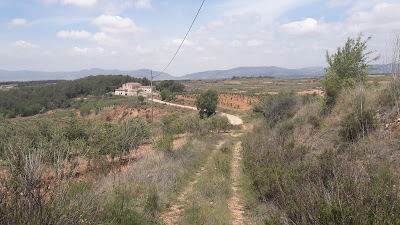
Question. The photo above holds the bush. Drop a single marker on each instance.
(85, 110)
(277, 107)
(130, 135)
(165, 143)
(167, 95)
(359, 122)
(140, 99)
(219, 123)
(173, 125)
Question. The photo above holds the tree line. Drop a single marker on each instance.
(28, 101)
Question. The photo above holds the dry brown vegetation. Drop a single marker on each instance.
(310, 166)
(62, 168)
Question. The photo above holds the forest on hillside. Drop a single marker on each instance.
(30, 100)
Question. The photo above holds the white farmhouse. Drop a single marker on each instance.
(134, 89)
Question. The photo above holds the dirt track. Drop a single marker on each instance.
(234, 120)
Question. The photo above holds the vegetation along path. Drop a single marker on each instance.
(172, 216)
(235, 206)
(234, 120)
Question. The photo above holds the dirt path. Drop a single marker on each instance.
(234, 120)
(234, 204)
(171, 217)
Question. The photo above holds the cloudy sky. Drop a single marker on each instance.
(67, 35)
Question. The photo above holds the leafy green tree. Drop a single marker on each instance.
(207, 103)
(347, 67)
(165, 94)
(172, 86)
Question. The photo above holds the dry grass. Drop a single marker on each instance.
(313, 175)
(208, 201)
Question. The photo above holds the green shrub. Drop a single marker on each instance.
(357, 123)
(219, 123)
(167, 95)
(152, 201)
(165, 143)
(140, 99)
(277, 107)
(85, 109)
(173, 125)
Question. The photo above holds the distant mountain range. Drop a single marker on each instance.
(272, 71)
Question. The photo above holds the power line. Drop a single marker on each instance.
(176, 53)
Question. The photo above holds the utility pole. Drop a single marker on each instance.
(151, 86)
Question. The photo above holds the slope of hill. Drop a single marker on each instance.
(257, 71)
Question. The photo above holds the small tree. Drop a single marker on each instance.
(166, 95)
(347, 67)
(207, 103)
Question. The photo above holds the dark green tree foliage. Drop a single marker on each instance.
(347, 67)
(207, 103)
(34, 83)
(166, 95)
(28, 101)
(172, 86)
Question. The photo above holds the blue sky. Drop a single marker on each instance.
(67, 35)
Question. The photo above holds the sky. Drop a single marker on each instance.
(70, 35)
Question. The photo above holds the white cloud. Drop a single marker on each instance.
(75, 34)
(116, 7)
(80, 3)
(307, 27)
(199, 49)
(339, 3)
(382, 16)
(211, 27)
(19, 22)
(254, 43)
(116, 25)
(102, 38)
(141, 50)
(47, 53)
(48, 1)
(236, 44)
(100, 50)
(80, 51)
(267, 10)
(213, 41)
(91, 52)
(25, 44)
(177, 42)
(143, 4)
